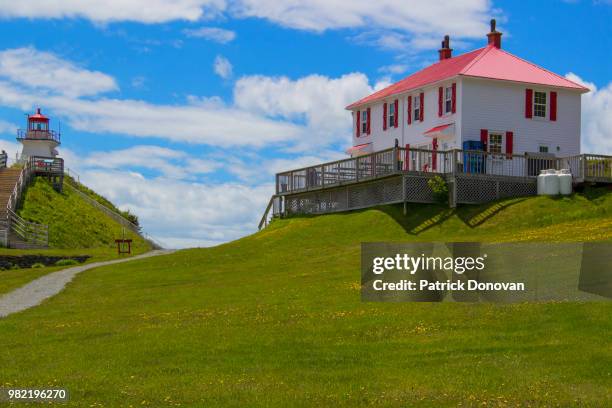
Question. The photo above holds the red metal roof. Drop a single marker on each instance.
(488, 62)
(38, 116)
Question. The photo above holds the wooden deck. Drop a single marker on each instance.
(401, 175)
(585, 167)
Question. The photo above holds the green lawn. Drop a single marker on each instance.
(73, 222)
(275, 319)
(14, 278)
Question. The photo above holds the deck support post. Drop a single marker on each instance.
(404, 195)
(452, 191)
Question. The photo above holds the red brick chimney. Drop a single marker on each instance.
(445, 52)
(494, 36)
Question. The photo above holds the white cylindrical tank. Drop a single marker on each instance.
(565, 181)
(548, 183)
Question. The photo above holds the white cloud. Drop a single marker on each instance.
(43, 70)
(465, 19)
(144, 11)
(393, 69)
(216, 34)
(316, 101)
(181, 213)
(221, 126)
(596, 117)
(223, 67)
(171, 163)
(266, 111)
(7, 127)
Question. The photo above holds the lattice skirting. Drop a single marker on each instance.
(417, 189)
(351, 197)
(472, 189)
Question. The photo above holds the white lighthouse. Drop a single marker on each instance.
(38, 140)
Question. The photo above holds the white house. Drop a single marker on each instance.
(496, 100)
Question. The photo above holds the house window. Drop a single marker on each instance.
(364, 122)
(392, 115)
(539, 104)
(495, 143)
(543, 149)
(448, 99)
(416, 102)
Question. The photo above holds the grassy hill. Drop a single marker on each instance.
(73, 222)
(275, 319)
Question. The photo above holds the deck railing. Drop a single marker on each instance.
(586, 167)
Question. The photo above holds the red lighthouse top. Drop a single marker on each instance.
(38, 117)
(38, 129)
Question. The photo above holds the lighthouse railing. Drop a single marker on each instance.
(33, 134)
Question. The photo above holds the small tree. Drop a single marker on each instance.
(439, 188)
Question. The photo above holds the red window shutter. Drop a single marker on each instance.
(484, 136)
(396, 113)
(422, 98)
(529, 103)
(440, 100)
(553, 106)
(509, 143)
(385, 116)
(368, 121)
(454, 98)
(409, 109)
(358, 132)
(407, 157)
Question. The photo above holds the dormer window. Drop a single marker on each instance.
(539, 104)
(448, 99)
(416, 102)
(364, 122)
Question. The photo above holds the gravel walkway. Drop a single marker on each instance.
(35, 292)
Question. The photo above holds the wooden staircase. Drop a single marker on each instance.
(8, 179)
(12, 227)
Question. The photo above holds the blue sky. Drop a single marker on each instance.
(182, 111)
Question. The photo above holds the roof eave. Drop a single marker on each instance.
(578, 88)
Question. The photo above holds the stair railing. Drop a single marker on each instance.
(155, 244)
(25, 176)
(31, 232)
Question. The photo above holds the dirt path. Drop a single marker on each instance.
(35, 292)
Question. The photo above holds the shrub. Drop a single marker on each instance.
(66, 262)
(37, 265)
(439, 187)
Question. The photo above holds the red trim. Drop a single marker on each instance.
(385, 116)
(484, 138)
(528, 103)
(396, 113)
(421, 112)
(553, 106)
(509, 143)
(440, 100)
(358, 132)
(409, 109)
(368, 121)
(454, 98)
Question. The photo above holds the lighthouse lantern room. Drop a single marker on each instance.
(38, 140)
